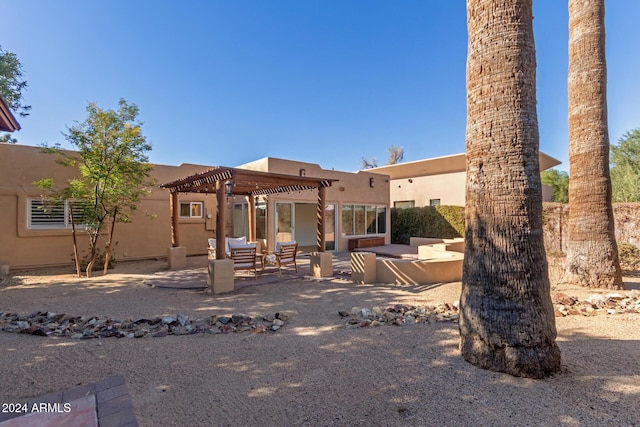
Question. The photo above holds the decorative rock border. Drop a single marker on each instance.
(597, 305)
(400, 315)
(88, 327)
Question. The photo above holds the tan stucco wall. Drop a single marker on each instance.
(150, 236)
(352, 188)
(449, 188)
(146, 237)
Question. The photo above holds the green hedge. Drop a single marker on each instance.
(444, 222)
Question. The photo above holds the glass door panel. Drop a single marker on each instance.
(284, 222)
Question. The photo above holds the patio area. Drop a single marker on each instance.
(195, 275)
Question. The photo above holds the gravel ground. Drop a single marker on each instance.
(313, 371)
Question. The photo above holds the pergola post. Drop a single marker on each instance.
(221, 221)
(175, 214)
(176, 254)
(252, 218)
(320, 237)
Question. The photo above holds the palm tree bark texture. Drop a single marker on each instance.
(507, 322)
(592, 252)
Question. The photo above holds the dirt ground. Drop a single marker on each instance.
(313, 371)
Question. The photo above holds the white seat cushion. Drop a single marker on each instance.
(235, 242)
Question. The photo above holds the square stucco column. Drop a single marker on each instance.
(363, 267)
(321, 264)
(177, 258)
(220, 277)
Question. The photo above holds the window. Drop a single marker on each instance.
(434, 202)
(47, 215)
(364, 219)
(405, 204)
(240, 220)
(191, 209)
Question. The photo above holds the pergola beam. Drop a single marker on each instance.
(246, 183)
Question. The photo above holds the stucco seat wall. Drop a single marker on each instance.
(436, 263)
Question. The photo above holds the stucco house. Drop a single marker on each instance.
(439, 181)
(357, 205)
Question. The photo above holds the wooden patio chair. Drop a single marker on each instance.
(244, 258)
(286, 253)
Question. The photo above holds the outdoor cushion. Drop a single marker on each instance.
(234, 242)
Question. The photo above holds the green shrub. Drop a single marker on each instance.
(444, 222)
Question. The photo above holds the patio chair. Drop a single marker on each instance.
(244, 258)
(286, 253)
(228, 243)
(212, 249)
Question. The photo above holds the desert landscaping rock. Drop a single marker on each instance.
(399, 315)
(597, 305)
(564, 305)
(84, 327)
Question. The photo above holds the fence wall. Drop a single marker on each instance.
(627, 222)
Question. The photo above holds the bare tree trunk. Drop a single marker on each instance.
(93, 241)
(507, 322)
(75, 241)
(592, 252)
(107, 255)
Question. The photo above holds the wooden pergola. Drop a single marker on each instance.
(226, 181)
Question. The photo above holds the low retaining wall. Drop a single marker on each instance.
(438, 262)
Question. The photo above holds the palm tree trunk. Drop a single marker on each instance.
(506, 315)
(592, 252)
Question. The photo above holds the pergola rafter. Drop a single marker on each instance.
(245, 183)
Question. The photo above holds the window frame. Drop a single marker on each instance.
(367, 209)
(404, 204)
(191, 204)
(63, 222)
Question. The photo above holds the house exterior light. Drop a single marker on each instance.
(229, 188)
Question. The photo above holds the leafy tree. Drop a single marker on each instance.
(559, 180)
(625, 170)
(7, 138)
(114, 171)
(11, 86)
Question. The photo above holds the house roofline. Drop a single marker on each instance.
(442, 165)
(8, 122)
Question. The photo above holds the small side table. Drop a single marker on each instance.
(268, 258)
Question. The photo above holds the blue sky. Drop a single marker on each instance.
(327, 82)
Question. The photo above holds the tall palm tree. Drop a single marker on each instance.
(592, 253)
(506, 315)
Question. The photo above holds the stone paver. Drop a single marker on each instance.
(102, 404)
